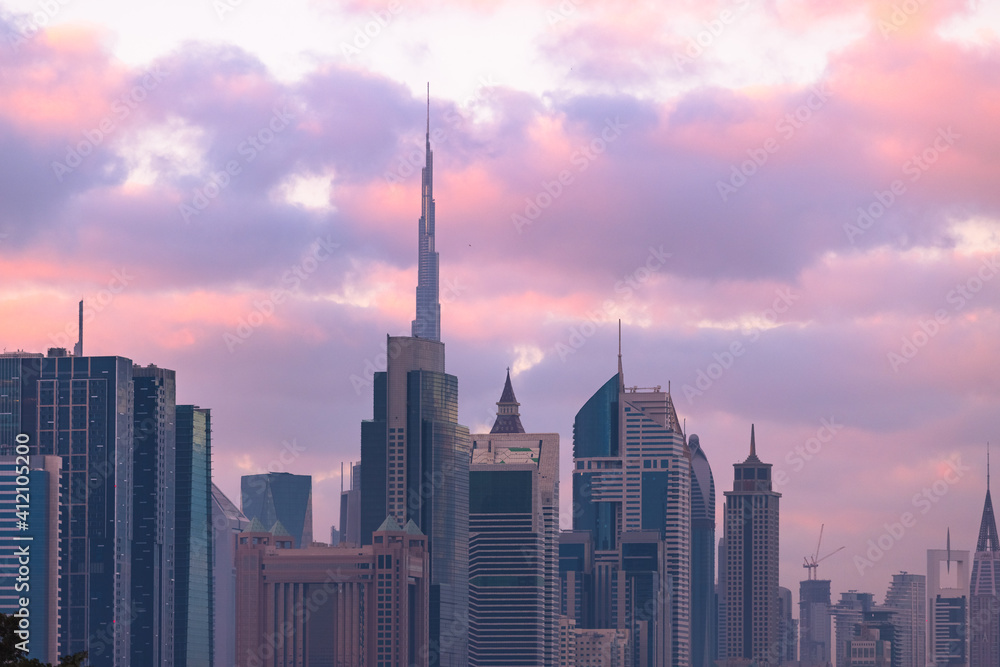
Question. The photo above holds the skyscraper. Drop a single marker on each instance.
(849, 613)
(227, 523)
(280, 497)
(29, 535)
(194, 624)
(787, 628)
(948, 606)
(984, 603)
(513, 543)
(703, 612)
(153, 515)
(415, 454)
(751, 587)
(907, 597)
(815, 647)
(81, 409)
(632, 491)
(350, 507)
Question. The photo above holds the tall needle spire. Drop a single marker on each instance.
(428, 321)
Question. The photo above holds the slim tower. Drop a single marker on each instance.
(415, 454)
(948, 606)
(752, 621)
(984, 604)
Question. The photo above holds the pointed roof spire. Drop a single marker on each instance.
(428, 111)
(508, 415)
(988, 537)
(753, 447)
(427, 323)
(948, 546)
(390, 524)
(621, 374)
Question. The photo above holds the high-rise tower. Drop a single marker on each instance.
(428, 321)
(948, 606)
(751, 587)
(703, 614)
(513, 543)
(415, 455)
(632, 492)
(984, 603)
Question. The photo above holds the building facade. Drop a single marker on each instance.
(632, 475)
(750, 593)
(907, 598)
(81, 409)
(815, 638)
(194, 624)
(513, 543)
(29, 538)
(704, 627)
(948, 607)
(153, 515)
(322, 606)
(848, 614)
(280, 497)
(227, 523)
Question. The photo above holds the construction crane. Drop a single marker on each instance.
(812, 562)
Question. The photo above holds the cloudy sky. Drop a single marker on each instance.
(792, 206)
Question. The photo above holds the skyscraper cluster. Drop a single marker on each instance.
(449, 552)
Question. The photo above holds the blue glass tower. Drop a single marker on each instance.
(81, 409)
(703, 610)
(632, 486)
(194, 626)
(280, 497)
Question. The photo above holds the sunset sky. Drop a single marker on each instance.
(792, 206)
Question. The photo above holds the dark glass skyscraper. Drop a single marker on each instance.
(280, 497)
(153, 486)
(81, 409)
(703, 609)
(415, 455)
(195, 610)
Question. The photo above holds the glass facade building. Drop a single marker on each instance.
(81, 409)
(632, 490)
(415, 466)
(153, 489)
(194, 626)
(280, 497)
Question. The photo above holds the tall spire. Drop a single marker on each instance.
(988, 538)
(621, 375)
(428, 321)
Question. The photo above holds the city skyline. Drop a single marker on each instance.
(756, 304)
